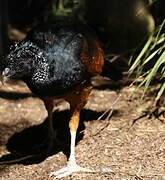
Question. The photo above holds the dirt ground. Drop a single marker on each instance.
(107, 141)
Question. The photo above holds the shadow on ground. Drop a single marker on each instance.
(15, 95)
(26, 147)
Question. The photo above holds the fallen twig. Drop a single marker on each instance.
(110, 110)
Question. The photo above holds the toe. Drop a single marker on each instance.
(66, 171)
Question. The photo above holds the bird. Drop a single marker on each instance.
(56, 60)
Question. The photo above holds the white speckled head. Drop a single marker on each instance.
(21, 60)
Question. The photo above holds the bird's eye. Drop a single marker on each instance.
(6, 71)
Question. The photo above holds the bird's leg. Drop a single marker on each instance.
(77, 102)
(51, 134)
(71, 165)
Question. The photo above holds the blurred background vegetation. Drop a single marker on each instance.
(132, 32)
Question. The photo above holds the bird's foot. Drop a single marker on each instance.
(68, 170)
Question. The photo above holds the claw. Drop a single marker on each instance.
(68, 170)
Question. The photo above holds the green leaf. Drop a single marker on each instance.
(151, 56)
(158, 34)
(144, 50)
(162, 89)
(154, 70)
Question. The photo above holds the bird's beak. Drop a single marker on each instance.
(1, 80)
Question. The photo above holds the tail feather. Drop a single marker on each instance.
(111, 71)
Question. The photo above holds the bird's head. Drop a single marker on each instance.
(20, 61)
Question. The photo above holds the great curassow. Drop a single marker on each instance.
(58, 60)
